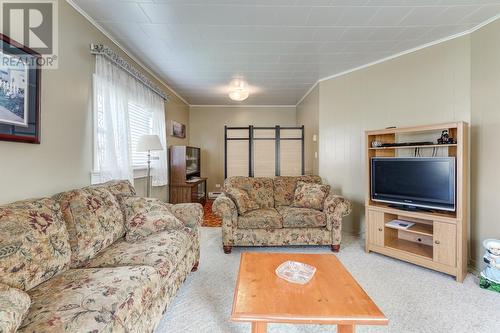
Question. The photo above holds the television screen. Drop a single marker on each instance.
(415, 182)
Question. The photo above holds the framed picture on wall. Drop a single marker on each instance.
(177, 130)
(19, 92)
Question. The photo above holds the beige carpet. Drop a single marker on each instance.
(414, 299)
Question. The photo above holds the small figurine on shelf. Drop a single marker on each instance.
(445, 138)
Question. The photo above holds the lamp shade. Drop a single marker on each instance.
(149, 142)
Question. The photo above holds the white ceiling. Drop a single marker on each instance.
(280, 47)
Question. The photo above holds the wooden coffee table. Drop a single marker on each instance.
(332, 296)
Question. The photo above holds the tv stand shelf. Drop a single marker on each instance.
(437, 240)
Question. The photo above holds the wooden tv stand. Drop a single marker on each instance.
(437, 240)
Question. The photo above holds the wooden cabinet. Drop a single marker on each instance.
(376, 227)
(438, 240)
(186, 185)
(445, 243)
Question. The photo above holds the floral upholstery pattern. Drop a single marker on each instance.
(117, 187)
(163, 251)
(14, 304)
(309, 195)
(284, 188)
(303, 226)
(260, 189)
(260, 219)
(279, 237)
(244, 202)
(302, 217)
(94, 221)
(336, 207)
(226, 209)
(34, 244)
(92, 300)
(146, 216)
(191, 214)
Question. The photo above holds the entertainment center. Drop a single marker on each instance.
(430, 218)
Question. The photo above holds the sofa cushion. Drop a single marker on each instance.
(92, 300)
(14, 304)
(117, 187)
(265, 218)
(309, 195)
(244, 202)
(146, 216)
(163, 251)
(284, 188)
(259, 188)
(34, 243)
(94, 221)
(302, 217)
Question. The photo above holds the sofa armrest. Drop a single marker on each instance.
(224, 207)
(189, 213)
(337, 205)
(14, 304)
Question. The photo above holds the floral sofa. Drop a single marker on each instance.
(66, 264)
(272, 220)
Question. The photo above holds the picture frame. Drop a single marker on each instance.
(20, 84)
(177, 129)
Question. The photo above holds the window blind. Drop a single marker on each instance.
(141, 123)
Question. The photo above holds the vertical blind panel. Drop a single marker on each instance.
(264, 133)
(290, 133)
(237, 158)
(141, 123)
(264, 158)
(237, 133)
(291, 157)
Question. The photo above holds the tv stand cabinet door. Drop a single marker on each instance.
(445, 244)
(376, 225)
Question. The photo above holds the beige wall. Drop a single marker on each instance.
(428, 86)
(485, 152)
(207, 132)
(308, 115)
(63, 160)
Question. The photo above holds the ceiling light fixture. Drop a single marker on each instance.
(238, 91)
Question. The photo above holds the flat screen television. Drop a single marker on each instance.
(414, 183)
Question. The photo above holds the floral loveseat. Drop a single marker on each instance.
(272, 220)
(66, 264)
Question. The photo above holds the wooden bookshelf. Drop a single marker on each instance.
(438, 240)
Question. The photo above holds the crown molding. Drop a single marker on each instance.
(242, 106)
(122, 48)
(400, 54)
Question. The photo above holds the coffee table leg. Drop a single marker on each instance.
(259, 327)
(345, 329)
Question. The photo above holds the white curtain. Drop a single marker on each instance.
(152, 102)
(114, 89)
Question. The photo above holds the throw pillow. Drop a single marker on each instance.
(308, 195)
(146, 216)
(244, 202)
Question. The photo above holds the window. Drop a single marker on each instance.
(141, 123)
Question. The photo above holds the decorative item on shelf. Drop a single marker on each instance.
(445, 138)
(490, 276)
(149, 143)
(178, 130)
(376, 144)
(19, 92)
(295, 272)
